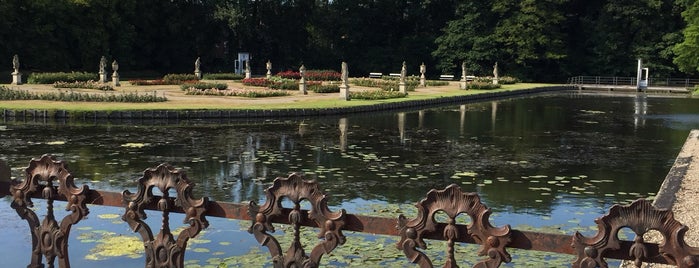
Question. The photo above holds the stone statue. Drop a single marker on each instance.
(247, 66)
(423, 69)
(115, 66)
(197, 65)
(345, 73)
(302, 81)
(15, 63)
(403, 71)
(269, 65)
(103, 64)
(463, 70)
(495, 70)
(302, 71)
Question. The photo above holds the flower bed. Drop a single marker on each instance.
(248, 93)
(10, 94)
(50, 78)
(224, 76)
(376, 95)
(312, 75)
(87, 84)
(203, 86)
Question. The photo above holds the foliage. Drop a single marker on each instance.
(223, 76)
(87, 84)
(482, 85)
(324, 88)
(10, 94)
(508, 80)
(203, 85)
(289, 74)
(436, 83)
(687, 52)
(248, 93)
(388, 85)
(376, 95)
(50, 78)
(139, 82)
(255, 82)
(176, 79)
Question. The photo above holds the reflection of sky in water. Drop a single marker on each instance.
(553, 163)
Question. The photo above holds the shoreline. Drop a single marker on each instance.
(184, 114)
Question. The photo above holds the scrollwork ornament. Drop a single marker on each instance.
(49, 237)
(164, 250)
(640, 216)
(453, 202)
(296, 189)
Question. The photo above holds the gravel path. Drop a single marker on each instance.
(679, 192)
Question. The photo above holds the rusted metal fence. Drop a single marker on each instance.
(48, 178)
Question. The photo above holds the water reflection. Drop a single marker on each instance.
(529, 158)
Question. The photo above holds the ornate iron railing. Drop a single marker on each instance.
(48, 178)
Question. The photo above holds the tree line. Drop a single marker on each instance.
(534, 40)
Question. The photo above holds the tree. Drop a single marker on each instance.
(687, 51)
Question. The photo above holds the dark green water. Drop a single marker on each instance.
(553, 161)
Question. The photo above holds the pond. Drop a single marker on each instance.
(551, 162)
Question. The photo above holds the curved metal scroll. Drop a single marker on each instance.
(296, 189)
(453, 202)
(640, 216)
(49, 238)
(163, 250)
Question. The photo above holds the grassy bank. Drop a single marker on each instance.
(178, 101)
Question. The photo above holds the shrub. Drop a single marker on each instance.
(508, 80)
(376, 95)
(224, 76)
(482, 85)
(248, 93)
(388, 85)
(176, 79)
(50, 78)
(289, 74)
(320, 88)
(10, 94)
(79, 84)
(148, 82)
(277, 82)
(255, 82)
(203, 85)
(323, 75)
(436, 83)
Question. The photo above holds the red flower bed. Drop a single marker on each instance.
(255, 82)
(289, 75)
(323, 75)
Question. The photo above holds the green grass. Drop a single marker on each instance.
(208, 102)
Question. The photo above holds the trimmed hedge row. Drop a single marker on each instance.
(79, 84)
(50, 78)
(11, 94)
(224, 76)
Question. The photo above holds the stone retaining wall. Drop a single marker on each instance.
(38, 114)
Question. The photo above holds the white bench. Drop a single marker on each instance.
(394, 75)
(375, 75)
(446, 77)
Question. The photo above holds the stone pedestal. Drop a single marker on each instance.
(402, 88)
(302, 86)
(344, 92)
(423, 82)
(16, 78)
(115, 79)
(248, 75)
(103, 78)
(462, 84)
(198, 75)
(495, 81)
(269, 74)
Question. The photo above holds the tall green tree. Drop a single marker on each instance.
(687, 51)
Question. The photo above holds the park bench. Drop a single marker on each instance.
(375, 75)
(48, 178)
(448, 77)
(397, 75)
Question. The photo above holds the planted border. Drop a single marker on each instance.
(70, 96)
(50, 78)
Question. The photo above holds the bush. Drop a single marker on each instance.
(436, 83)
(10, 94)
(388, 85)
(323, 75)
(224, 76)
(289, 75)
(148, 82)
(89, 84)
(176, 79)
(482, 85)
(203, 85)
(50, 78)
(255, 82)
(508, 80)
(376, 95)
(320, 88)
(248, 93)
